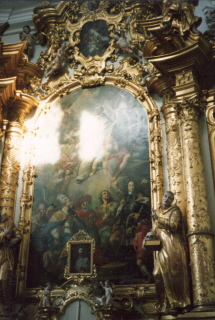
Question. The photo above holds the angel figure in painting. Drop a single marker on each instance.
(170, 270)
(107, 298)
(30, 40)
(57, 63)
(124, 45)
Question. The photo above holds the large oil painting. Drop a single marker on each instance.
(92, 173)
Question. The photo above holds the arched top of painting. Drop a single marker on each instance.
(143, 97)
(94, 38)
(111, 99)
(104, 130)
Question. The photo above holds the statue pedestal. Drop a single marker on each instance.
(191, 316)
(113, 313)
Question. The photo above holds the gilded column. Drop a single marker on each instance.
(25, 211)
(156, 158)
(200, 236)
(15, 111)
(210, 116)
(10, 167)
(174, 155)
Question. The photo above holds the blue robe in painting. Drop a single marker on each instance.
(58, 221)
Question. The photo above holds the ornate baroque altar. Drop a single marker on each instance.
(106, 61)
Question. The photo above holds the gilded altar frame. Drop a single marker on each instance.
(155, 163)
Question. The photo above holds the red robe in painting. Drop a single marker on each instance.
(137, 242)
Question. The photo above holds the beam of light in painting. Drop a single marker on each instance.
(91, 137)
(47, 147)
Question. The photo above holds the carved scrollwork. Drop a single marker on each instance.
(184, 77)
(126, 300)
(72, 11)
(91, 79)
(20, 271)
(33, 86)
(210, 115)
(56, 84)
(179, 18)
(190, 110)
(29, 175)
(24, 225)
(131, 70)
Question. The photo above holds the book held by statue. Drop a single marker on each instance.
(154, 245)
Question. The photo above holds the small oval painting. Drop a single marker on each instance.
(94, 38)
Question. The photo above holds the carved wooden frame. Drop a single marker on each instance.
(26, 203)
(80, 239)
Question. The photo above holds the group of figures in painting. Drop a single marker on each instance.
(118, 229)
(170, 266)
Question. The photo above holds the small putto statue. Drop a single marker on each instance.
(57, 62)
(124, 45)
(30, 41)
(107, 298)
(46, 299)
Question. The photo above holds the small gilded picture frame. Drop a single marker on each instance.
(80, 251)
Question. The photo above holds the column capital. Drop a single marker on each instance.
(190, 108)
(169, 109)
(19, 107)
